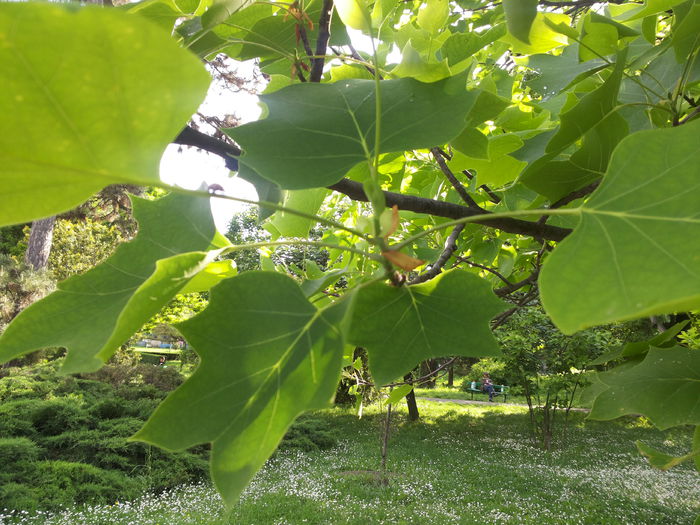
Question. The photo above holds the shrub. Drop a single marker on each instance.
(110, 408)
(17, 449)
(15, 417)
(18, 496)
(309, 434)
(61, 483)
(59, 415)
(494, 367)
(161, 377)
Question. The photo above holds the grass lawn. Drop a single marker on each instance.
(459, 465)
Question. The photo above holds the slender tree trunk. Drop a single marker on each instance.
(39, 247)
(451, 375)
(413, 414)
(385, 445)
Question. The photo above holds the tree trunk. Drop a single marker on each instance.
(39, 247)
(451, 375)
(413, 414)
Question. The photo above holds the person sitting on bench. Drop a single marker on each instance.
(487, 385)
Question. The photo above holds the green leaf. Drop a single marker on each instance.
(415, 66)
(289, 225)
(75, 121)
(398, 393)
(434, 15)
(354, 14)
(590, 110)
(311, 287)
(500, 168)
(663, 461)
(400, 327)
(320, 131)
(630, 251)
(472, 143)
(520, 14)
(597, 40)
(652, 7)
(220, 10)
(686, 37)
(486, 107)
(460, 46)
(555, 179)
(638, 348)
(266, 191)
(92, 314)
(542, 37)
(210, 276)
(665, 387)
(261, 366)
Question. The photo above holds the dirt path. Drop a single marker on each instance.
(475, 402)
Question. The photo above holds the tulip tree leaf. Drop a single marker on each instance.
(401, 326)
(661, 460)
(318, 130)
(210, 276)
(630, 251)
(520, 14)
(590, 110)
(398, 393)
(558, 72)
(73, 121)
(261, 366)
(92, 314)
(665, 387)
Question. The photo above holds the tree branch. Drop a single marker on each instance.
(452, 211)
(324, 35)
(471, 203)
(436, 268)
(192, 137)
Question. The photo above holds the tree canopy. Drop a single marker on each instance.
(481, 154)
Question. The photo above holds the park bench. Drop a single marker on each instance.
(498, 390)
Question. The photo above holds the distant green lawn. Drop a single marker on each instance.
(459, 465)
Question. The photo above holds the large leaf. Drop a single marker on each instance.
(401, 326)
(92, 314)
(520, 14)
(665, 387)
(558, 178)
(590, 110)
(558, 72)
(635, 251)
(318, 130)
(267, 355)
(89, 97)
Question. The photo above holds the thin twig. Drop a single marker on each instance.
(438, 154)
(490, 270)
(449, 249)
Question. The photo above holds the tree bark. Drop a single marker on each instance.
(39, 247)
(451, 376)
(413, 414)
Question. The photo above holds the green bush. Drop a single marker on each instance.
(18, 496)
(62, 483)
(17, 449)
(58, 415)
(309, 434)
(15, 417)
(110, 408)
(494, 367)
